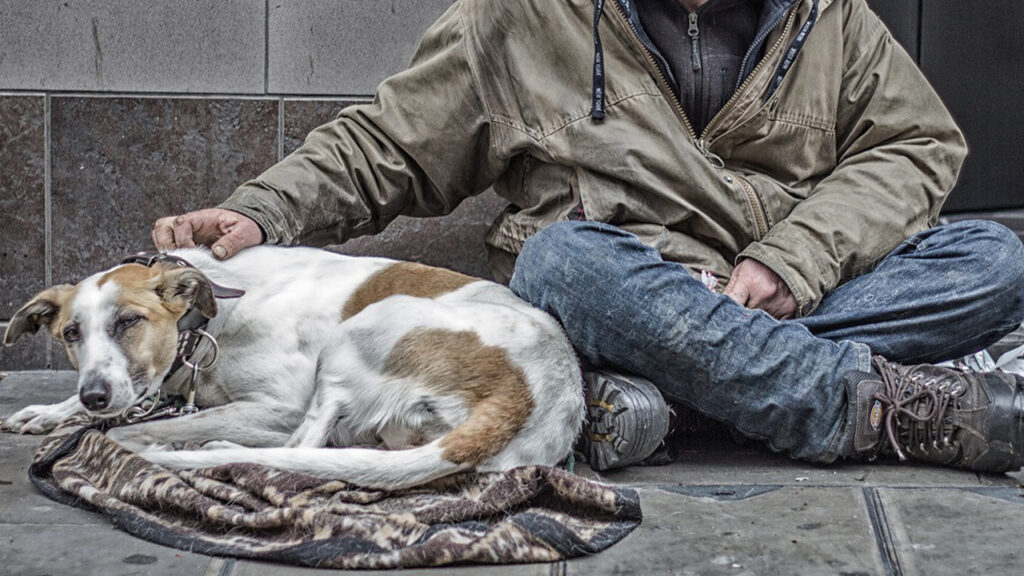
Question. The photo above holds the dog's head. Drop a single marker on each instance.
(119, 328)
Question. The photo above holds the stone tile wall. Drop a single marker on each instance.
(115, 112)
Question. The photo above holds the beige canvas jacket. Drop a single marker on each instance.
(851, 154)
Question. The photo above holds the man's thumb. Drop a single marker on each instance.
(228, 245)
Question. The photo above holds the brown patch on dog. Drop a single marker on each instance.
(151, 345)
(495, 390)
(406, 278)
(129, 276)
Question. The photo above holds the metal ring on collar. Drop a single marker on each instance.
(216, 352)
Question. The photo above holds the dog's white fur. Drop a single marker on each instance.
(292, 376)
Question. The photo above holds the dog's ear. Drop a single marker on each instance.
(41, 310)
(190, 287)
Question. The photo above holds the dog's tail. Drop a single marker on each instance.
(370, 468)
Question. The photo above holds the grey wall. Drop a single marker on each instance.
(115, 112)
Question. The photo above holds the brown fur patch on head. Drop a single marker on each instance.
(177, 288)
(406, 278)
(151, 346)
(495, 390)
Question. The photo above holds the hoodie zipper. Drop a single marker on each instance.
(666, 88)
(698, 71)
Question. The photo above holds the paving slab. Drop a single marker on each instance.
(723, 508)
(22, 388)
(242, 568)
(777, 530)
(710, 460)
(48, 549)
(953, 532)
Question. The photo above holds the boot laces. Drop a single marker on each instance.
(917, 413)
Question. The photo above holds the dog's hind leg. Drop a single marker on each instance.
(324, 419)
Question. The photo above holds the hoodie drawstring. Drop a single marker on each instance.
(597, 90)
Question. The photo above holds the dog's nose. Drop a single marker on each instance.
(95, 394)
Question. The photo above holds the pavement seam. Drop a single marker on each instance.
(884, 540)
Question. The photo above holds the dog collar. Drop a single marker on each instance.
(147, 259)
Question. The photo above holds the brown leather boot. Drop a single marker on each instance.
(938, 415)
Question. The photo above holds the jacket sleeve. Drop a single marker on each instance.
(419, 149)
(898, 155)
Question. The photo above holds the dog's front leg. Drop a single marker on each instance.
(256, 424)
(42, 418)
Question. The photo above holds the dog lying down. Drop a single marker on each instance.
(410, 372)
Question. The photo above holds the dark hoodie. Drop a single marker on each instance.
(703, 49)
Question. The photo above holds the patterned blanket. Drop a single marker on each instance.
(530, 514)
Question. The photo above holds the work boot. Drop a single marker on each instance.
(627, 419)
(938, 415)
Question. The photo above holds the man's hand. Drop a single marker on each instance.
(224, 231)
(755, 285)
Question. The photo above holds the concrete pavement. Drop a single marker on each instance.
(721, 509)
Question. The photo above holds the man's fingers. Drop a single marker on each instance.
(163, 234)
(182, 230)
(225, 223)
(224, 231)
(737, 287)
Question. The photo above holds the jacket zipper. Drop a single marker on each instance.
(756, 206)
(666, 89)
(753, 73)
(760, 218)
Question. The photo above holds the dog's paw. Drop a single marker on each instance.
(36, 419)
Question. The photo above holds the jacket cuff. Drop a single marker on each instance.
(807, 298)
(265, 216)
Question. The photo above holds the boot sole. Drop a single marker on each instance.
(626, 420)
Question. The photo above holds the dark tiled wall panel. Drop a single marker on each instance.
(119, 163)
(902, 17)
(23, 214)
(975, 58)
(455, 241)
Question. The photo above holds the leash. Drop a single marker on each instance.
(191, 332)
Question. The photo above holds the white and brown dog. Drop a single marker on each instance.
(447, 372)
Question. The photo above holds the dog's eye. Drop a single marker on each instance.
(128, 321)
(71, 334)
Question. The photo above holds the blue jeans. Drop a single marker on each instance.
(944, 293)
